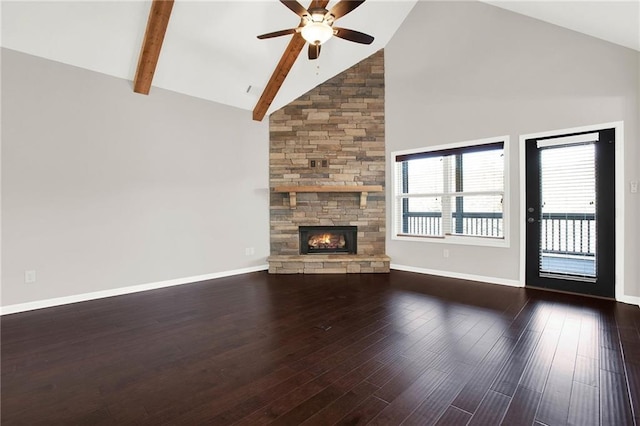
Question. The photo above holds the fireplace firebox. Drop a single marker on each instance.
(328, 239)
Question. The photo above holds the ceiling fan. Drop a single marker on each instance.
(316, 25)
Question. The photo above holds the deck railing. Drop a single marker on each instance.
(466, 223)
(561, 233)
(422, 223)
(568, 233)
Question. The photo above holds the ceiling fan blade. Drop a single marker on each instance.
(352, 35)
(344, 7)
(295, 7)
(314, 51)
(277, 33)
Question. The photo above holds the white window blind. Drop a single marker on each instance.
(451, 192)
(568, 211)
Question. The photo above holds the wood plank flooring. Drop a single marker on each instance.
(377, 349)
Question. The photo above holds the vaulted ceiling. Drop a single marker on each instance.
(210, 49)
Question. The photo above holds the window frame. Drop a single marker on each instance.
(396, 200)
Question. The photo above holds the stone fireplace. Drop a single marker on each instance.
(327, 169)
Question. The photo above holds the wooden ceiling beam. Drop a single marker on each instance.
(152, 44)
(287, 60)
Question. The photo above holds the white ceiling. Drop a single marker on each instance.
(211, 50)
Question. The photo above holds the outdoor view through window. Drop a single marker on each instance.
(451, 192)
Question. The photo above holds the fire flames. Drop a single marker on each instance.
(327, 241)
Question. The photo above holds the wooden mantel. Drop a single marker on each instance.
(362, 190)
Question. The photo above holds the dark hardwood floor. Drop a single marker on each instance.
(378, 349)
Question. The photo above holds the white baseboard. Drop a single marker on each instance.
(631, 300)
(448, 274)
(40, 304)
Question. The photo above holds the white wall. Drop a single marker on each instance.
(459, 71)
(103, 188)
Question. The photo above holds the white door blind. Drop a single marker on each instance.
(568, 210)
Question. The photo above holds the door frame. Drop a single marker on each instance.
(619, 195)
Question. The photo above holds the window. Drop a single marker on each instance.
(454, 193)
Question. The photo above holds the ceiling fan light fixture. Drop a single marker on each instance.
(317, 32)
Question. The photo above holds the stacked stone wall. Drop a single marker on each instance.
(333, 135)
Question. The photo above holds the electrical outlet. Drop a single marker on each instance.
(445, 253)
(634, 186)
(29, 277)
(249, 251)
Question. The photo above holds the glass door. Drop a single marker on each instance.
(570, 229)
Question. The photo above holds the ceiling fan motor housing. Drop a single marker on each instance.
(317, 26)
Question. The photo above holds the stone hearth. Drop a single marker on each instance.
(328, 264)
